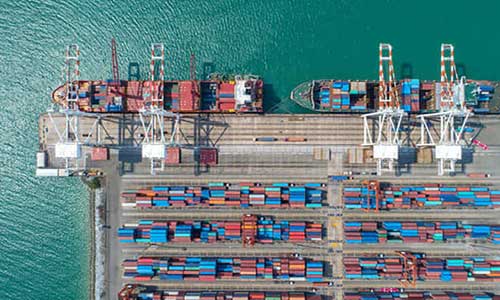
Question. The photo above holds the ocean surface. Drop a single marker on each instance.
(44, 221)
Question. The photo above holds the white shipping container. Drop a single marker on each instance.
(41, 159)
(47, 172)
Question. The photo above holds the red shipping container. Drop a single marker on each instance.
(208, 156)
(99, 153)
(173, 155)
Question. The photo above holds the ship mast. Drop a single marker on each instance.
(387, 120)
(452, 111)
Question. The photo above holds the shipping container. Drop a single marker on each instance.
(99, 153)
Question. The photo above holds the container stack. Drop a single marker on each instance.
(277, 195)
(210, 269)
(189, 295)
(405, 95)
(208, 95)
(226, 97)
(261, 230)
(134, 96)
(98, 93)
(314, 271)
(359, 96)
(417, 295)
(450, 269)
(428, 196)
(427, 101)
(172, 96)
(414, 232)
(144, 231)
(415, 95)
(340, 95)
(187, 101)
(484, 97)
(324, 95)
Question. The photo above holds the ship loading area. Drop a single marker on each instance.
(324, 149)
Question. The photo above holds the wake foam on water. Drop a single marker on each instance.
(99, 246)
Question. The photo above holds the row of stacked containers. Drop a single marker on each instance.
(342, 95)
(266, 230)
(417, 295)
(211, 269)
(442, 269)
(182, 295)
(421, 196)
(245, 194)
(417, 232)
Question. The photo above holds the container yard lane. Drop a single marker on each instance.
(287, 208)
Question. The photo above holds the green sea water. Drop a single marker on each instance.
(44, 223)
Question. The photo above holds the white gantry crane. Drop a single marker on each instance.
(387, 119)
(451, 117)
(153, 115)
(69, 145)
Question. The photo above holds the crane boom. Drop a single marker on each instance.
(114, 62)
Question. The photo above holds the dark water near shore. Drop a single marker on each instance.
(43, 222)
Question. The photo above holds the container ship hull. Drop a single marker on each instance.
(241, 94)
(344, 96)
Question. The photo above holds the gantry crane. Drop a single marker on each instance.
(410, 269)
(152, 114)
(388, 118)
(249, 230)
(70, 143)
(452, 114)
(372, 185)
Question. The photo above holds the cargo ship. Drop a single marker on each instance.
(416, 96)
(217, 94)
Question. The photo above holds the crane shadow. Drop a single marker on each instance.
(134, 71)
